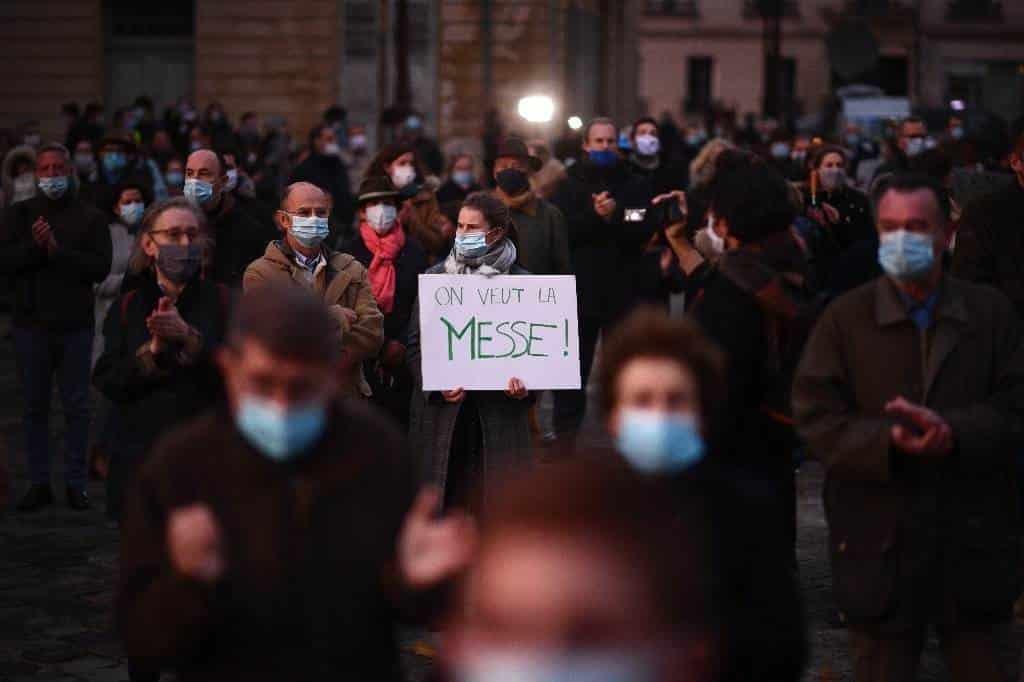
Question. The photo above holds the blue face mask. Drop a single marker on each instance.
(114, 162)
(280, 434)
(463, 178)
(175, 178)
(199, 192)
(577, 666)
(655, 442)
(471, 245)
(604, 158)
(53, 188)
(906, 255)
(131, 213)
(309, 232)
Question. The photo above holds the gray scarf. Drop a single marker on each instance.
(498, 260)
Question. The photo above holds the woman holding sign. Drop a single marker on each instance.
(467, 436)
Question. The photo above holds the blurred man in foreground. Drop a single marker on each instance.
(276, 538)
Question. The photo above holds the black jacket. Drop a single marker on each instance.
(855, 221)
(410, 264)
(990, 243)
(55, 291)
(605, 253)
(240, 239)
(310, 591)
(664, 178)
(329, 174)
(154, 394)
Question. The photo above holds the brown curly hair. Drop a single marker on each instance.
(650, 333)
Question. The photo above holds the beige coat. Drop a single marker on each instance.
(342, 282)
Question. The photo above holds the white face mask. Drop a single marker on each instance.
(232, 180)
(402, 176)
(24, 187)
(381, 217)
(717, 243)
(332, 149)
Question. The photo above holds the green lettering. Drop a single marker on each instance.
(471, 328)
(480, 338)
(501, 329)
(529, 346)
(522, 335)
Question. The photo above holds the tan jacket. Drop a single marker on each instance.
(342, 282)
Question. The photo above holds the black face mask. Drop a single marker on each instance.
(179, 262)
(512, 181)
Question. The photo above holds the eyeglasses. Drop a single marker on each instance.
(175, 234)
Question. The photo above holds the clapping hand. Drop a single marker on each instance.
(922, 431)
(166, 325)
(42, 234)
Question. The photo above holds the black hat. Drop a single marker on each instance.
(514, 146)
(376, 187)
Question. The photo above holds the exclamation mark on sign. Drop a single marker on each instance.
(565, 353)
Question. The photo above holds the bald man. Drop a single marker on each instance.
(300, 258)
(239, 237)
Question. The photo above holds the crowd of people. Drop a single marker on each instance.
(245, 329)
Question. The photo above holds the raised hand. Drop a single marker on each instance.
(195, 543)
(430, 550)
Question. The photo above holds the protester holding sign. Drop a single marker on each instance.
(466, 435)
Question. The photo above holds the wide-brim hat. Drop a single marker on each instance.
(515, 147)
(118, 136)
(376, 187)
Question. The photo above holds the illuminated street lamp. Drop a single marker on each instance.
(575, 122)
(537, 108)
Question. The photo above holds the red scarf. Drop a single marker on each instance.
(385, 248)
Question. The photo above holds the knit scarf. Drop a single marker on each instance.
(498, 260)
(385, 249)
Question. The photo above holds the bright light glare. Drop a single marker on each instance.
(575, 122)
(537, 108)
(957, 105)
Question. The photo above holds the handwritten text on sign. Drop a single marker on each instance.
(478, 332)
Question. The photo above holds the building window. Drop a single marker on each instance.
(974, 10)
(698, 84)
(132, 19)
(676, 8)
(360, 28)
(759, 9)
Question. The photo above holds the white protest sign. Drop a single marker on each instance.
(478, 332)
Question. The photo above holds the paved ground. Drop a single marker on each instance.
(57, 569)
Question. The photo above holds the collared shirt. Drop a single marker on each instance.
(920, 312)
(310, 264)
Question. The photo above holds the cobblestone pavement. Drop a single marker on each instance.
(57, 569)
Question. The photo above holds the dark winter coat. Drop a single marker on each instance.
(310, 588)
(918, 539)
(240, 239)
(604, 253)
(55, 291)
(155, 394)
(990, 243)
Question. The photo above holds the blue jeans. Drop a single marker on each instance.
(41, 354)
